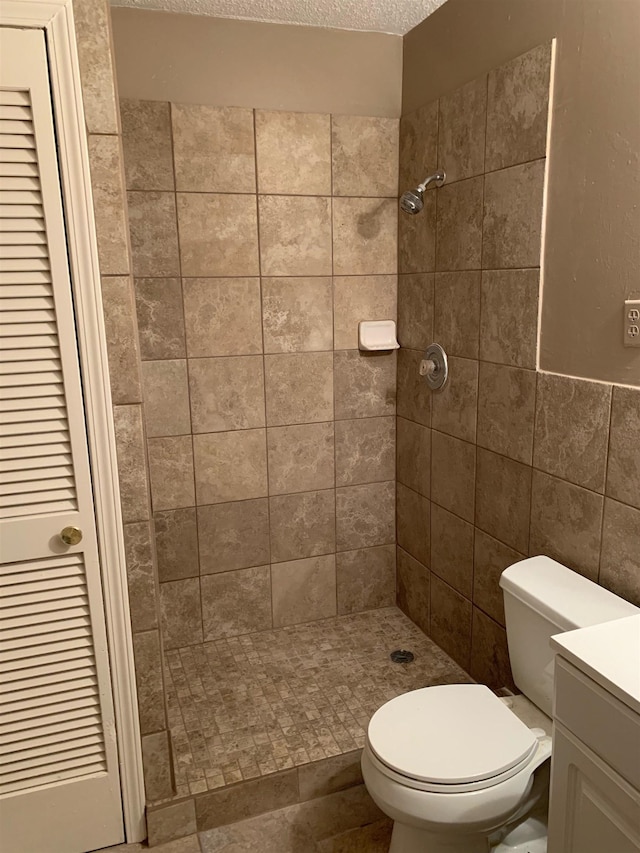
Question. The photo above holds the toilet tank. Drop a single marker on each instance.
(542, 598)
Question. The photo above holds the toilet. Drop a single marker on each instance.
(454, 767)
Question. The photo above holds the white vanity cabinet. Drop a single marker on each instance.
(595, 769)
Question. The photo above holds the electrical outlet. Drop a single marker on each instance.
(632, 323)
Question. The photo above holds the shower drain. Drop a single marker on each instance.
(401, 656)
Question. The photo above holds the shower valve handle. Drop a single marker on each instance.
(428, 367)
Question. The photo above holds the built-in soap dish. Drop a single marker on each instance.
(377, 335)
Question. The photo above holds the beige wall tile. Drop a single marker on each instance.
(236, 603)
(218, 234)
(302, 525)
(365, 385)
(452, 549)
(138, 551)
(222, 316)
(230, 466)
(572, 429)
(297, 314)
(236, 802)
(294, 153)
(513, 216)
(490, 663)
(160, 318)
(181, 613)
(414, 396)
(417, 236)
(491, 558)
(171, 472)
(295, 235)
(365, 516)
(226, 393)
(365, 451)
(154, 234)
(148, 663)
(518, 106)
(358, 298)
(303, 590)
(451, 621)
(454, 408)
(156, 764)
(459, 227)
(413, 523)
(461, 128)
(506, 410)
(233, 536)
(172, 821)
(365, 236)
(301, 458)
(503, 499)
(213, 149)
(131, 462)
(623, 475)
(93, 34)
(122, 339)
(418, 145)
(366, 579)
(413, 589)
(413, 456)
(329, 775)
(455, 329)
(415, 310)
(107, 183)
(509, 317)
(620, 558)
(566, 523)
(365, 156)
(299, 388)
(176, 544)
(453, 470)
(146, 143)
(164, 381)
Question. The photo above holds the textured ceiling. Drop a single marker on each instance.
(385, 16)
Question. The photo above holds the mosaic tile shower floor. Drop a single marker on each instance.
(252, 705)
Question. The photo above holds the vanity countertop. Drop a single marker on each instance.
(609, 654)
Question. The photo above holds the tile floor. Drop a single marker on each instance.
(252, 705)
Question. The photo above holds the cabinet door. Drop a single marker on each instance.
(593, 809)
(59, 779)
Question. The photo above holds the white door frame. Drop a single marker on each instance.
(55, 17)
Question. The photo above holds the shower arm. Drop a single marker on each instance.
(439, 178)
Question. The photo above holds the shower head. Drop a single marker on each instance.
(412, 201)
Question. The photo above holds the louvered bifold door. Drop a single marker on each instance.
(59, 785)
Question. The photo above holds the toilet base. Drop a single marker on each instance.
(410, 839)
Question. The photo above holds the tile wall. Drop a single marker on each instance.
(259, 240)
(505, 462)
(107, 177)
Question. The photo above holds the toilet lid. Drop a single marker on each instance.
(453, 734)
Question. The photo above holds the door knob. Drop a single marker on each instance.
(71, 535)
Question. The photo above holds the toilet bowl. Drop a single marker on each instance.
(470, 771)
(452, 765)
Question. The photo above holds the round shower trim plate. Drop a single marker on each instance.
(434, 367)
